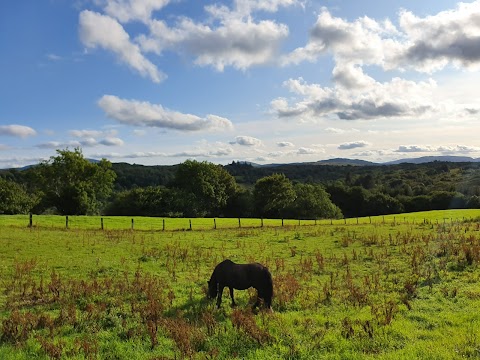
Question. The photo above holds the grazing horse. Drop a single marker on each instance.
(241, 277)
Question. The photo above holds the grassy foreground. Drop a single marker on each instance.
(396, 287)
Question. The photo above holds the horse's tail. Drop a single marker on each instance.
(268, 286)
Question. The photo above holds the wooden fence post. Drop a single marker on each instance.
(132, 223)
(101, 223)
(239, 223)
(163, 225)
(30, 222)
(214, 223)
(66, 222)
(190, 221)
(282, 222)
(261, 222)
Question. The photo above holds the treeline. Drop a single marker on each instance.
(70, 184)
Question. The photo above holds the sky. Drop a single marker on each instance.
(157, 82)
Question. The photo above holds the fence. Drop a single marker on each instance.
(185, 224)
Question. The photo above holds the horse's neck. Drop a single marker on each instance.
(213, 278)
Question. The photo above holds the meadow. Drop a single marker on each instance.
(403, 286)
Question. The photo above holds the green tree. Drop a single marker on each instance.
(73, 185)
(240, 204)
(149, 201)
(207, 186)
(351, 200)
(272, 195)
(382, 204)
(313, 202)
(14, 199)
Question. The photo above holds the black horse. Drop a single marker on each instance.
(241, 277)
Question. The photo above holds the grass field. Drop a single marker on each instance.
(394, 287)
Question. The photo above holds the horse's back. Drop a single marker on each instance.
(243, 275)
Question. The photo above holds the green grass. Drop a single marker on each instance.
(158, 224)
(403, 286)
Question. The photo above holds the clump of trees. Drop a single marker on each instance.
(14, 198)
(204, 189)
(66, 184)
(70, 184)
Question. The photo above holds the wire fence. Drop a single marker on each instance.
(193, 224)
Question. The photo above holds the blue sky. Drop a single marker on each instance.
(161, 81)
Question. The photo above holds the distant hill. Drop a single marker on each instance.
(343, 161)
(427, 159)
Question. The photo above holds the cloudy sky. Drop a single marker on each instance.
(162, 81)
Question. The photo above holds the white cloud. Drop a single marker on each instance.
(285, 144)
(229, 36)
(397, 98)
(360, 40)
(339, 131)
(54, 57)
(276, 154)
(111, 141)
(137, 113)
(247, 141)
(50, 145)
(236, 42)
(353, 145)
(434, 41)
(307, 151)
(93, 133)
(445, 149)
(17, 130)
(424, 44)
(463, 149)
(85, 142)
(18, 161)
(414, 148)
(203, 150)
(130, 10)
(246, 7)
(97, 30)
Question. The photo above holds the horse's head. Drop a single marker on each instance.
(212, 289)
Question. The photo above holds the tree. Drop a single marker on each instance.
(149, 201)
(313, 202)
(351, 200)
(272, 195)
(240, 204)
(382, 204)
(73, 185)
(14, 199)
(207, 185)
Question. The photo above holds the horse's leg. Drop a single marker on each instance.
(219, 296)
(268, 303)
(257, 302)
(231, 295)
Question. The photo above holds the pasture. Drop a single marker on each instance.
(393, 287)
